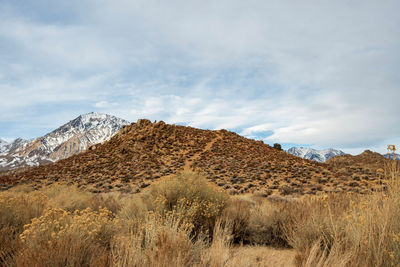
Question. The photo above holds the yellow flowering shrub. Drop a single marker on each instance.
(57, 224)
(16, 210)
(79, 237)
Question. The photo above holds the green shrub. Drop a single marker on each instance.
(277, 146)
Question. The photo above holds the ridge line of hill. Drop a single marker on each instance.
(144, 152)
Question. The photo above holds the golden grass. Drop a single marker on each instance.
(356, 231)
(184, 221)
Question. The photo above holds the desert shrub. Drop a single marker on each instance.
(133, 208)
(109, 201)
(192, 197)
(277, 146)
(237, 212)
(16, 210)
(68, 198)
(62, 238)
(159, 240)
(350, 230)
(312, 220)
(267, 221)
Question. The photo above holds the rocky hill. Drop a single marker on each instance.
(69, 139)
(365, 166)
(314, 154)
(144, 152)
(367, 160)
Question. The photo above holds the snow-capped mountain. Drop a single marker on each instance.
(390, 156)
(67, 140)
(314, 154)
(3, 145)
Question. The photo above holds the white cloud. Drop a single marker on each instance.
(313, 72)
(104, 104)
(257, 129)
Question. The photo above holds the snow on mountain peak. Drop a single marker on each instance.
(96, 127)
(314, 154)
(3, 145)
(70, 138)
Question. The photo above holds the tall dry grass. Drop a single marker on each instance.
(353, 230)
(184, 221)
(16, 210)
(62, 226)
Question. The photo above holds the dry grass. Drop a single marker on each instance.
(261, 256)
(184, 221)
(192, 197)
(357, 231)
(157, 242)
(16, 210)
(61, 238)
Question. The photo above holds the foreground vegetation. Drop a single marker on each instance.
(184, 221)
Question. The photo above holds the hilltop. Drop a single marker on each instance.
(143, 152)
(367, 160)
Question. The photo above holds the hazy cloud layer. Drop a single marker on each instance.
(319, 73)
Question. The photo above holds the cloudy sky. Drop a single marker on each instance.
(315, 73)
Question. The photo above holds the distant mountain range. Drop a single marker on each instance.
(325, 154)
(67, 140)
(143, 153)
(314, 154)
(93, 128)
(390, 156)
(139, 154)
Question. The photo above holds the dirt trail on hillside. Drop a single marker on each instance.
(188, 162)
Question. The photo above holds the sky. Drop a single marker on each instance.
(312, 73)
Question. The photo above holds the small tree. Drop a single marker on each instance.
(278, 146)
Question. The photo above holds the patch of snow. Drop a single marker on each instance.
(88, 129)
(314, 154)
(390, 156)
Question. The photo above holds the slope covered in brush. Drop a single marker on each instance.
(143, 152)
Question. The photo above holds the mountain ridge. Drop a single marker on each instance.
(71, 138)
(143, 152)
(390, 156)
(315, 154)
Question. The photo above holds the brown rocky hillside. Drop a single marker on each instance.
(365, 166)
(366, 160)
(144, 152)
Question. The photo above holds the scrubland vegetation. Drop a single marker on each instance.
(184, 221)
